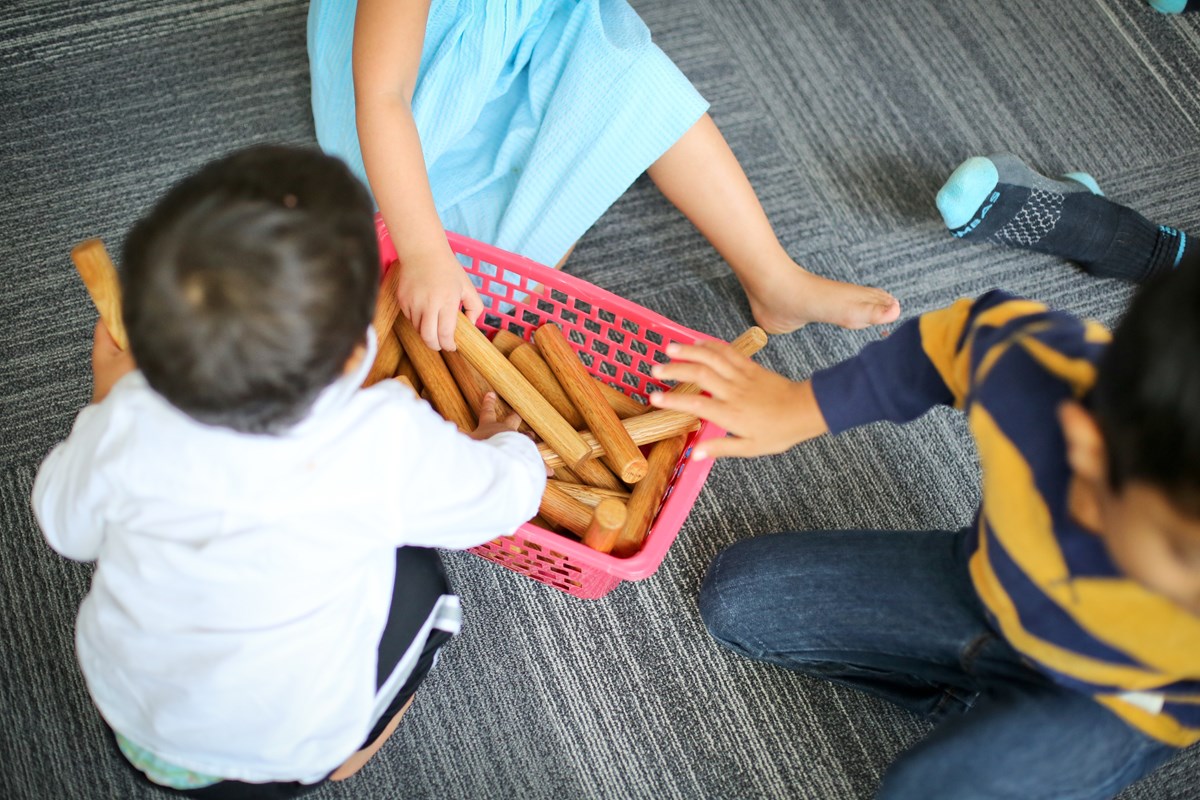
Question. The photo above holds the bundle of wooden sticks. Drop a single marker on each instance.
(605, 490)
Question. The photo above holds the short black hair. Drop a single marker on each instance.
(249, 284)
(1147, 394)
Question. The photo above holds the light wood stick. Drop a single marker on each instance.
(536, 371)
(653, 426)
(387, 360)
(623, 404)
(747, 344)
(594, 473)
(507, 341)
(589, 495)
(470, 382)
(621, 453)
(407, 370)
(387, 308)
(565, 475)
(474, 386)
(403, 381)
(648, 495)
(510, 384)
(443, 391)
(542, 522)
(103, 286)
(561, 509)
(608, 521)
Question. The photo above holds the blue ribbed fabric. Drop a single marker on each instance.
(534, 117)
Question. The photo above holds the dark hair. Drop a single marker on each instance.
(1147, 394)
(249, 284)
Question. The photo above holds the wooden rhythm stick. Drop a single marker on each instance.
(405, 382)
(536, 371)
(589, 495)
(387, 308)
(443, 391)
(623, 404)
(100, 277)
(608, 521)
(387, 360)
(621, 453)
(653, 426)
(648, 495)
(594, 473)
(749, 343)
(470, 382)
(510, 384)
(506, 342)
(559, 508)
(407, 370)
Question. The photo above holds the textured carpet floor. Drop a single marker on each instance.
(847, 118)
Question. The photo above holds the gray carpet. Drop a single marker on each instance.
(847, 116)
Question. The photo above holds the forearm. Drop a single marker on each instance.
(388, 38)
(395, 164)
(891, 379)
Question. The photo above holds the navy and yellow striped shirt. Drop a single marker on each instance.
(1048, 584)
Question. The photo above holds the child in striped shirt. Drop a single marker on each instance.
(1057, 638)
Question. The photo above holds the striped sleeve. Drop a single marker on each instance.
(924, 363)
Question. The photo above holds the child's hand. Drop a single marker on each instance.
(763, 411)
(109, 363)
(489, 425)
(430, 292)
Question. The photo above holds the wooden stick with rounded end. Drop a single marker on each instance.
(100, 277)
(387, 308)
(748, 343)
(608, 521)
(470, 382)
(621, 453)
(565, 511)
(589, 495)
(536, 371)
(648, 495)
(435, 375)
(406, 370)
(510, 384)
(507, 341)
(653, 426)
(623, 404)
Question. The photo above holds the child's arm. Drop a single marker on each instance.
(388, 37)
(463, 491)
(68, 492)
(925, 362)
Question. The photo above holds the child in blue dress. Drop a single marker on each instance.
(519, 123)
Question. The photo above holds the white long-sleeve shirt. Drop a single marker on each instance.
(242, 581)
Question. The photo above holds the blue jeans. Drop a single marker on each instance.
(894, 613)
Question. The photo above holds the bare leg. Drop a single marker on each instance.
(701, 176)
(357, 761)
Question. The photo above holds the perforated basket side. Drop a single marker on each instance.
(619, 342)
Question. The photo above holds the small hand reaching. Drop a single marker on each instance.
(763, 411)
(430, 291)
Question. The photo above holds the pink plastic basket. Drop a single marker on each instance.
(618, 341)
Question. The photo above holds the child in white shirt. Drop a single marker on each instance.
(260, 608)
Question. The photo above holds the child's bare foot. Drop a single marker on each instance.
(793, 297)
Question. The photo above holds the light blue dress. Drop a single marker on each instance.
(534, 117)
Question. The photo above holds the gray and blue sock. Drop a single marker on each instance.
(999, 199)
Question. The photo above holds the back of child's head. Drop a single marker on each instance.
(1147, 394)
(249, 284)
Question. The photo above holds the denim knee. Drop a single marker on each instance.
(721, 603)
